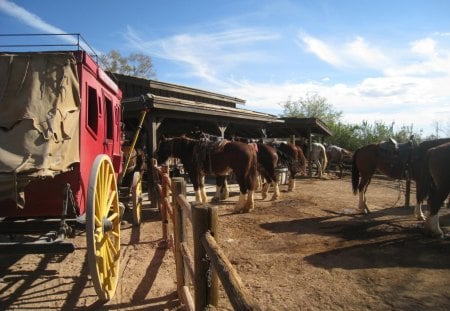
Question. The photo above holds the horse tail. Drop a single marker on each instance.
(426, 180)
(253, 170)
(302, 160)
(355, 173)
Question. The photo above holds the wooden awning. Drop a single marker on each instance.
(180, 116)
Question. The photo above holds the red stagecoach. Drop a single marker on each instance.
(60, 156)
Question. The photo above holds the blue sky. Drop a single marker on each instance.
(385, 61)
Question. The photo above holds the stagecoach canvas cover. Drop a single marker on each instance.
(39, 118)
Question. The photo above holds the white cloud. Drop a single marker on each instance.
(321, 50)
(207, 54)
(424, 46)
(354, 54)
(420, 102)
(359, 51)
(36, 22)
(26, 17)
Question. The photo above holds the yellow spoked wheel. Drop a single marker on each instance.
(103, 228)
(136, 197)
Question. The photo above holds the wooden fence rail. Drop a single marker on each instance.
(209, 263)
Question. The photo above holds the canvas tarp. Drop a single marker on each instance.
(39, 118)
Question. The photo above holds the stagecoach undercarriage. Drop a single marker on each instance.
(53, 231)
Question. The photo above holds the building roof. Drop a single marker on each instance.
(181, 109)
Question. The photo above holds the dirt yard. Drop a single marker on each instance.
(307, 251)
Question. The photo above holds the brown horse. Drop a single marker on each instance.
(292, 157)
(219, 158)
(338, 156)
(392, 159)
(435, 181)
(267, 163)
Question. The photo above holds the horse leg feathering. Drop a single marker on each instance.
(291, 185)
(432, 228)
(249, 203)
(418, 212)
(264, 190)
(240, 203)
(276, 191)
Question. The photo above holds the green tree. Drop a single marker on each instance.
(137, 65)
(348, 136)
(312, 106)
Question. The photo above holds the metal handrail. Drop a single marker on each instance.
(75, 40)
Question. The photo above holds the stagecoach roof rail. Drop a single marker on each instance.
(74, 41)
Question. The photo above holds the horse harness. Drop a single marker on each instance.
(398, 154)
(203, 150)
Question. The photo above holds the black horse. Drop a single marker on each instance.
(435, 181)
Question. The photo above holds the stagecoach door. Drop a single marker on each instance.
(108, 143)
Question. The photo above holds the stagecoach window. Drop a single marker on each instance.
(109, 118)
(92, 109)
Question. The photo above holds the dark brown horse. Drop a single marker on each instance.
(292, 157)
(435, 181)
(219, 158)
(392, 159)
(267, 163)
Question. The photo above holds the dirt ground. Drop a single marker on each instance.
(306, 251)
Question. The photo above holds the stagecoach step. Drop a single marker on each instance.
(29, 226)
(49, 243)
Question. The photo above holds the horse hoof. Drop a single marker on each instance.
(435, 235)
(237, 210)
(420, 217)
(364, 211)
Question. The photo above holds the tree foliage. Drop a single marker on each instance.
(312, 106)
(136, 64)
(348, 136)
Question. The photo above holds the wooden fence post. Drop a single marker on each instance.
(213, 215)
(407, 191)
(179, 187)
(203, 279)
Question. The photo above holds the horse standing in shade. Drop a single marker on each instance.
(219, 158)
(337, 155)
(292, 157)
(318, 157)
(435, 181)
(267, 162)
(394, 160)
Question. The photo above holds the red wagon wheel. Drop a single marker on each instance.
(136, 197)
(103, 228)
